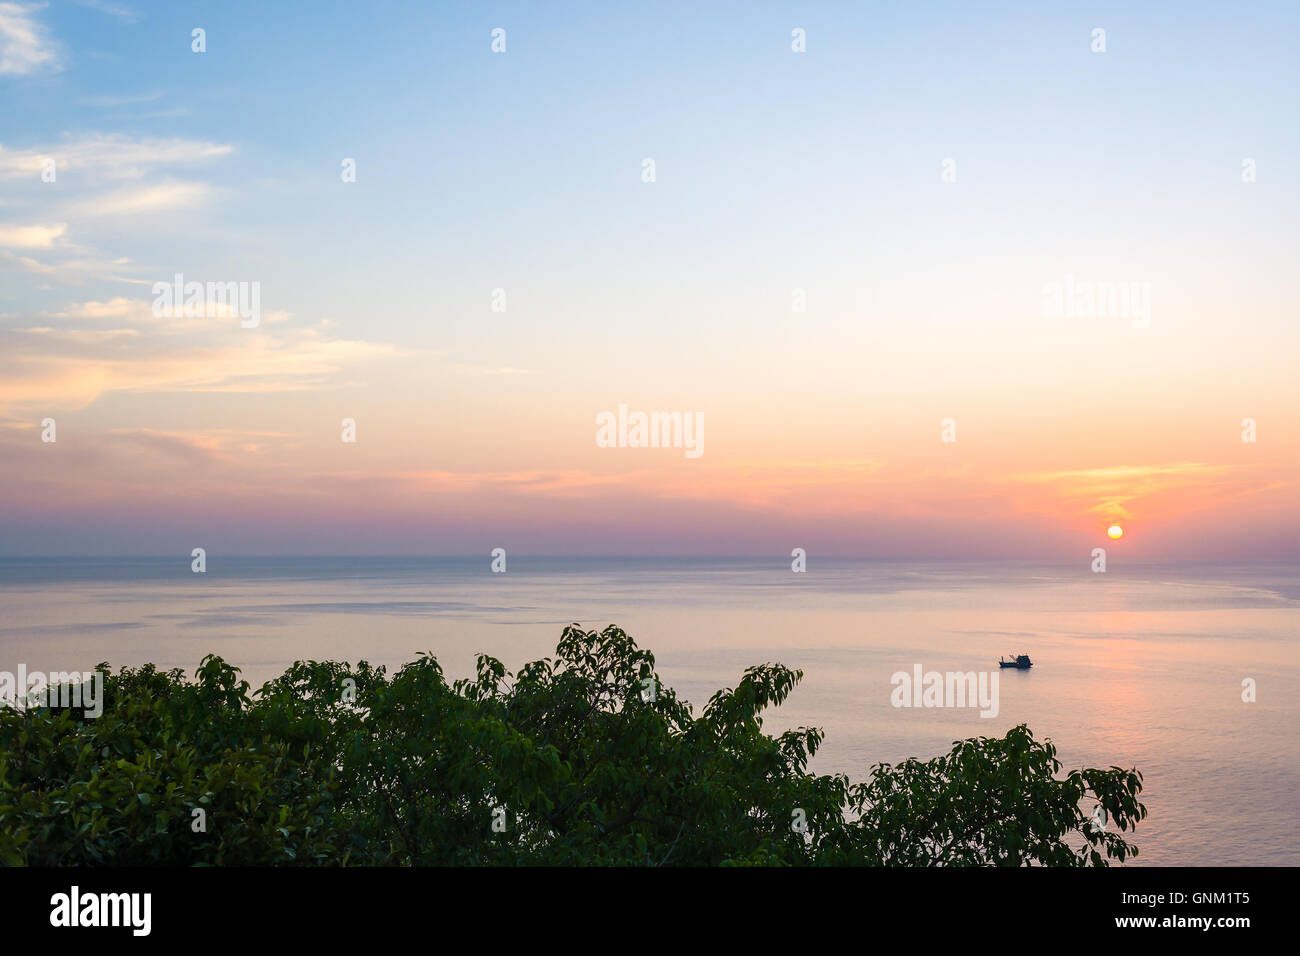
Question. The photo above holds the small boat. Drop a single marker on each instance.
(1021, 663)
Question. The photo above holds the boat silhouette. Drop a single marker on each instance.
(1021, 662)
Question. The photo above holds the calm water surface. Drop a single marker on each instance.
(1134, 667)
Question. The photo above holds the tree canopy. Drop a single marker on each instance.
(581, 759)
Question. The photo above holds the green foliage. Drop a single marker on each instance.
(584, 759)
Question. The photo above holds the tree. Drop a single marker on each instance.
(582, 759)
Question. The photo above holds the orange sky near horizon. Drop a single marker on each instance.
(511, 460)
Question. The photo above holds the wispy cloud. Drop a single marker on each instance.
(70, 358)
(30, 237)
(142, 200)
(138, 314)
(120, 11)
(114, 156)
(120, 100)
(76, 270)
(1112, 492)
(25, 44)
(117, 308)
(1114, 474)
(112, 177)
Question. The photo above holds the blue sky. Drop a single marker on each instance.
(472, 164)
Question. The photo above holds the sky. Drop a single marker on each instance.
(845, 256)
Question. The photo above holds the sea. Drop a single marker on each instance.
(1189, 673)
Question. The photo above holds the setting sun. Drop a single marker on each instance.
(1115, 531)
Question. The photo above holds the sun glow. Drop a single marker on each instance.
(1115, 531)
